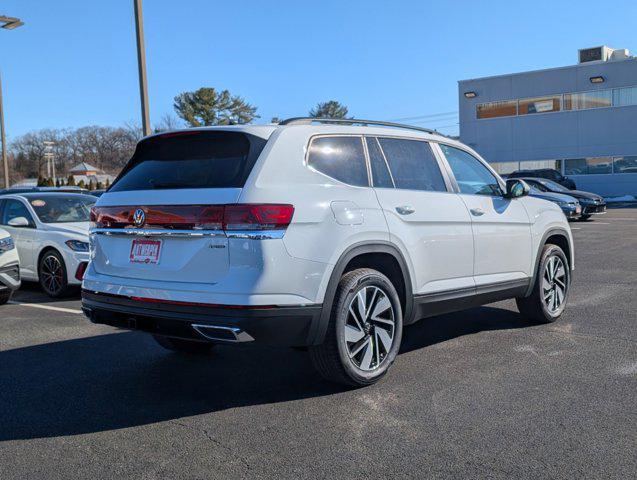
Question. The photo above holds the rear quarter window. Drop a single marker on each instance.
(191, 159)
(341, 158)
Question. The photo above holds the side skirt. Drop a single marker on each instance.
(437, 303)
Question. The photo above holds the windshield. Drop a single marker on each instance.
(554, 186)
(62, 208)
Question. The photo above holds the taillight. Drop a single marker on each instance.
(196, 217)
(257, 217)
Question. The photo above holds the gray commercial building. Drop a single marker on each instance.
(580, 119)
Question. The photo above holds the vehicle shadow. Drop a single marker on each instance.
(31, 291)
(124, 379)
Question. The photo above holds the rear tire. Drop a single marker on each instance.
(552, 285)
(52, 274)
(364, 331)
(184, 346)
(5, 297)
(583, 218)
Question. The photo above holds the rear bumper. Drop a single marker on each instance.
(272, 325)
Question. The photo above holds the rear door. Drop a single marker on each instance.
(502, 230)
(161, 219)
(423, 214)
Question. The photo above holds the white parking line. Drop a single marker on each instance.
(47, 307)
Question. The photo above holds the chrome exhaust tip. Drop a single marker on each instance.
(222, 334)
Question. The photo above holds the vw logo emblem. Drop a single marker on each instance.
(139, 218)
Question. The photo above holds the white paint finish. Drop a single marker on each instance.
(502, 236)
(347, 213)
(436, 237)
(7, 259)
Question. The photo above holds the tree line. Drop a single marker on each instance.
(109, 148)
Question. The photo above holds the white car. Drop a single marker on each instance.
(320, 233)
(50, 231)
(9, 267)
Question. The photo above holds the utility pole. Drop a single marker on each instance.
(5, 162)
(8, 23)
(141, 63)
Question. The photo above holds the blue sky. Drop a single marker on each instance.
(74, 62)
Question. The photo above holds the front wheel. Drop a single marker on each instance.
(5, 297)
(52, 274)
(364, 331)
(550, 292)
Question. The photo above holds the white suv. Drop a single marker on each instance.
(320, 233)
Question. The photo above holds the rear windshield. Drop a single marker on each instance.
(193, 159)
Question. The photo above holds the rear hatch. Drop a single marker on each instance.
(162, 219)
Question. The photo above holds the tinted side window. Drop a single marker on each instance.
(14, 209)
(341, 158)
(472, 176)
(412, 164)
(380, 174)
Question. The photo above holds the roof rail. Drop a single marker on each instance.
(354, 121)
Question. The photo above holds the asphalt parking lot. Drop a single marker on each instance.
(477, 394)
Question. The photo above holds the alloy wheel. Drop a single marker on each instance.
(52, 274)
(554, 284)
(369, 328)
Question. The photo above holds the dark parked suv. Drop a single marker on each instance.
(547, 173)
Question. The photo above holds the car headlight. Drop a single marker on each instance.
(6, 244)
(77, 246)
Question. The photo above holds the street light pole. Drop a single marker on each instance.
(5, 163)
(8, 23)
(141, 62)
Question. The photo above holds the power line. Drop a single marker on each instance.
(419, 117)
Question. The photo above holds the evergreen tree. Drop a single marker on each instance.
(331, 109)
(206, 106)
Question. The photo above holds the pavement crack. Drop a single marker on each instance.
(242, 460)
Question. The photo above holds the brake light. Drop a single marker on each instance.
(257, 217)
(196, 217)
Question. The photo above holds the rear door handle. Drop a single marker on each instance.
(477, 212)
(405, 209)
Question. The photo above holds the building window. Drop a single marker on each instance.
(584, 100)
(625, 164)
(588, 166)
(540, 105)
(497, 109)
(504, 168)
(625, 96)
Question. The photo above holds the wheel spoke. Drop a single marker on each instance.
(366, 362)
(354, 315)
(381, 307)
(361, 298)
(353, 335)
(384, 337)
(560, 295)
(358, 347)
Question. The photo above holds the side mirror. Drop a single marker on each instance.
(516, 188)
(19, 222)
